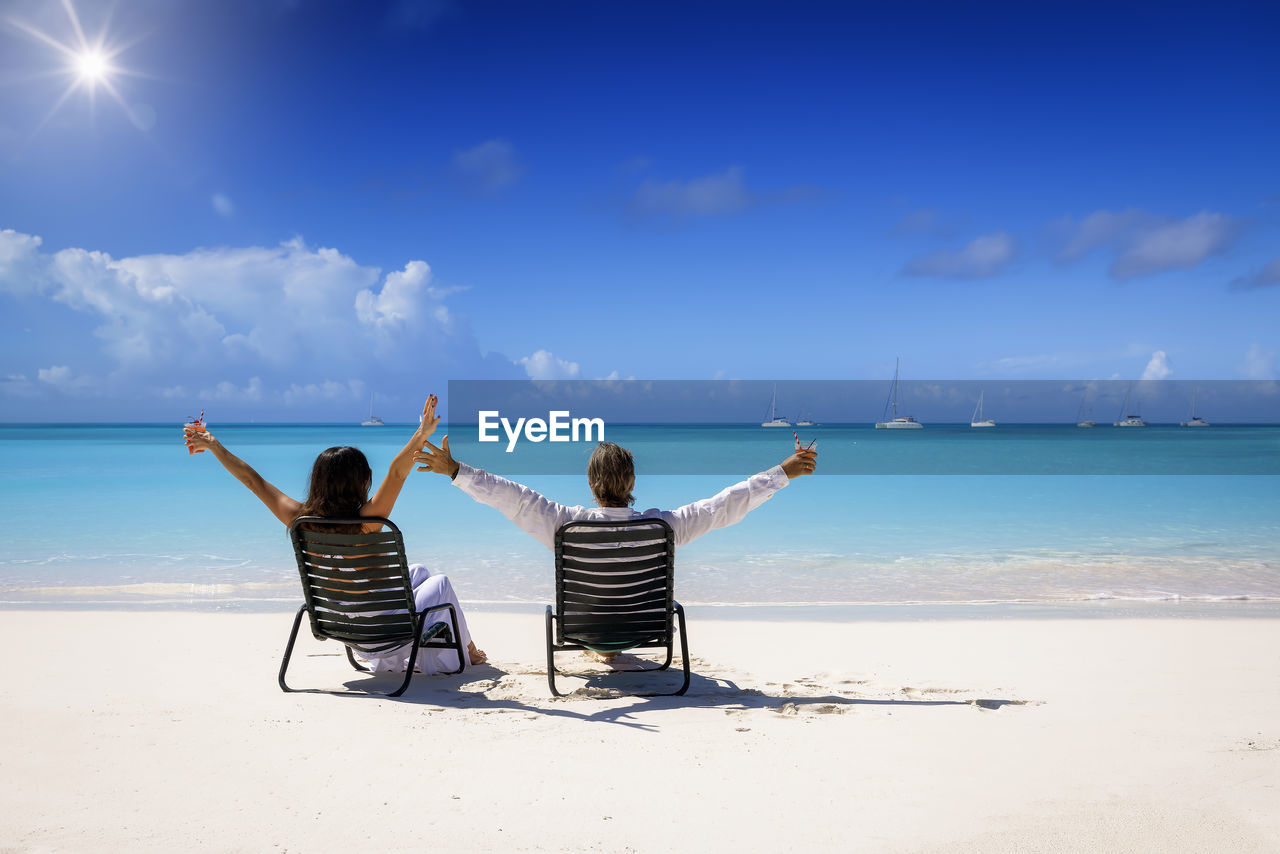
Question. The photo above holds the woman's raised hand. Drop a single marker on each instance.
(428, 423)
(198, 440)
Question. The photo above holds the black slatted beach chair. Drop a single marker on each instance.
(614, 592)
(357, 592)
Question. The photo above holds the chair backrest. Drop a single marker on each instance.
(614, 582)
(356, 585)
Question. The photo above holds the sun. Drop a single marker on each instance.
(93, 67)
(89, 63)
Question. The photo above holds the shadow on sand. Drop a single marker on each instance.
(615, 694)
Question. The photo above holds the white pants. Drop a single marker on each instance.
(429, 591)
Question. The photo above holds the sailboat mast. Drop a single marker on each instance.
(896, 363)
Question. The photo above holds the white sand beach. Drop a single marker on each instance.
(164, 731)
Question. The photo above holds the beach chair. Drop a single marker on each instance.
(614, 592)
(357, 592)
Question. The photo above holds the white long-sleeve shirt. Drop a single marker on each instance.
(541, 517)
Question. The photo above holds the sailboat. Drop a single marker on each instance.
(1196, 420)
(773, 420)
(977, 420)
(1085, 416)
(805, 421)
(1129, 420)
(372, 420)
(898, 422)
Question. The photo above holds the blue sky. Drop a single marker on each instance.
(270, 210)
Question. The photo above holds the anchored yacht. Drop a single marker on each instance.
(773, 420)
(977, 420)
(897, 422)
(1196, 420)
(372, 420)
(1129, 420)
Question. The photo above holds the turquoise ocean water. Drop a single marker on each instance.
(120, 514)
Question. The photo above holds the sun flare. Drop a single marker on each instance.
(88, 62)
(93, 67)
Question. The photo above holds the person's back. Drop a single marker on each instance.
(339, 488)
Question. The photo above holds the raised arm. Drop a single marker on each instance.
(531, 511)
(732, 504)
(282, 506)
(385, 498)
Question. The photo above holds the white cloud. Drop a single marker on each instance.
(397, 304)
(1158, 367)
(229, 391)
(62, 378)
(722, 193)
(246, 324)
(542, 365)
(1144, 243)
(329, 390)
(56, 375)
(19, 265)
(489, 166)
(1259, 363)
(222, 205)
(984, 257)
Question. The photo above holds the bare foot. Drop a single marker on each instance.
(477, 656)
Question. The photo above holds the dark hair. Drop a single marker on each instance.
(611, 474)
(339, 485)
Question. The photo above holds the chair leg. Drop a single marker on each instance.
(288, 650)
(413, 658)
(357, 665)
(551, 657)
(667, 663)
(457, 642)
(684, 650)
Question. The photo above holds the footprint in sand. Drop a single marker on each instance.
(590, 692)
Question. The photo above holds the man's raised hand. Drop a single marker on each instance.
(800, 463)
(431, 458)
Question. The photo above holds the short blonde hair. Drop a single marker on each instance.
(611, 474)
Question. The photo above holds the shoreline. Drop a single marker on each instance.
(789, 612)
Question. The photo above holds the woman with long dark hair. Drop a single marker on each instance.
(339, 486)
